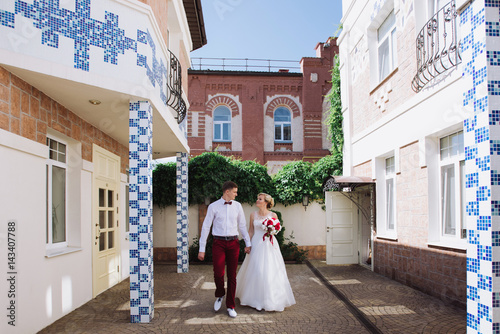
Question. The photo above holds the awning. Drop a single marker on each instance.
(345, 183)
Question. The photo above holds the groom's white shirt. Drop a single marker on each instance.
(227, 220)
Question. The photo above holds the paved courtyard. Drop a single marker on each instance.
(330, 299)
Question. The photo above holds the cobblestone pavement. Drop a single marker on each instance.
(330, 299)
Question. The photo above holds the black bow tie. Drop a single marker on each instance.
(228, 203)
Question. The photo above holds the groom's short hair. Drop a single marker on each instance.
(228, 185)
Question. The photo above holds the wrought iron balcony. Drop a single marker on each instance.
(438, 48)
(174, 88)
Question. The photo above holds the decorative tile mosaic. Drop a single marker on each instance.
(141, 212)
(495, 115)
(473, 239)
(472, 265)
(472, 293)
(182, 214)
(480, 27)
(496, 265)
(56, 22)
(483, 223)
(472, 180)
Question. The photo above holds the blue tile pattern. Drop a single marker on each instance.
(496, 265)
(495, 116)
(56, 22)
(182, 213)
(484, 223)
(472, 265)
(484, 282)
(472, 293)
(480, 30)
(473, 239)
(141, 212)
(471, 180)
(493, 58)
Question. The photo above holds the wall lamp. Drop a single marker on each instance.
(305, 201)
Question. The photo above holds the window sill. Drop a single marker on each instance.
(383, 81)
(61, 251)
(452, 246)
(387, 237)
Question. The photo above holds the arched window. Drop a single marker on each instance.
(282, 124)
(222, 124)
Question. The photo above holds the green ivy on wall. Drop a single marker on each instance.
(293, 182)
(334, 119)
(206, 174)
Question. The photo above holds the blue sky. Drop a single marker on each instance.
(267, 29)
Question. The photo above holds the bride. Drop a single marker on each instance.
(262, 280)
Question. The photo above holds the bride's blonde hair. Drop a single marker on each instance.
(268, 199)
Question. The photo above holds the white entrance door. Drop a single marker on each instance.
(106, 255)
(342, 230)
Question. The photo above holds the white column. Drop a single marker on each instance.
(480, 64)
(141, 212)
(182, 214)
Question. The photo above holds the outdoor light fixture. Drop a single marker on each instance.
(305, 201)
(95, 102)
(347, 189)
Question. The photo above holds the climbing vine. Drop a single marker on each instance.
(334, 118)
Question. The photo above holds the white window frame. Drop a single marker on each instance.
(386, 34)
(387, 176)
(282, 125)
(50, 164)
(390, 194)
(222, 124)
(455, 160)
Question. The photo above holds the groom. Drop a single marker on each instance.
(227, 217)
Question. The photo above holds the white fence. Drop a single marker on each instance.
(307, 226)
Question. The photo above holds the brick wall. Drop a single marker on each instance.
(409, 259)
(411, 198)
(364, 169)
(26, 111)
(370, 104)
(435, 271)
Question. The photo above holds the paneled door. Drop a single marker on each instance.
(341, 230)
(106, 250)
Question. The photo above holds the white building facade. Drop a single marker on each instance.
(420, 106)
(91, 93)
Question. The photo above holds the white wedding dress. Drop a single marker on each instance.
(262, 282)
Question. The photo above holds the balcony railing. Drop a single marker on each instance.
(244, 64)
(438, 47)
(174, 88)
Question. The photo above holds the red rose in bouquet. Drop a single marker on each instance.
(272, 226)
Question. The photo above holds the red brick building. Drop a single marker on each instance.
(272, 117)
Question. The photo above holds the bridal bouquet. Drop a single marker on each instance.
(272, 226)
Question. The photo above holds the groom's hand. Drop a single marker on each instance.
(201, 256)
(248, 249)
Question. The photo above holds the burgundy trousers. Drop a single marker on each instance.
(225, 252)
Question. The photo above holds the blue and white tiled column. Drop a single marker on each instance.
(182, 213)
(480, 35)
(141, 212)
